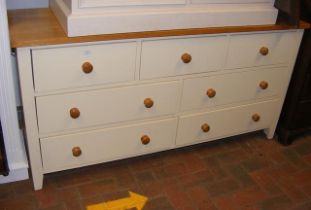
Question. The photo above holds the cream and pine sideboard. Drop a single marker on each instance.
(96, 99)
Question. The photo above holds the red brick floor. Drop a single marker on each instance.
(246, 172)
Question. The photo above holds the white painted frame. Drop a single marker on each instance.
(13, 139)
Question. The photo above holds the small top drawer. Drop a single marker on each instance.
(246, 50)
(171, 57)
(70, 67)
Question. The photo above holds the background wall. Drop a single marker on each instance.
(19, 4)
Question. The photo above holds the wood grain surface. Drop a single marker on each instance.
(36, 27)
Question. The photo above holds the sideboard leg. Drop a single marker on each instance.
(37, 179)
(269, 132)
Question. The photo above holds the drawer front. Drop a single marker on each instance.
(225, 122)
(90, 108)
(234, 87)
(106, 145)
(71, 67)
(261, 49)
(163, 58)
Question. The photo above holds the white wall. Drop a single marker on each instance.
(20, 4)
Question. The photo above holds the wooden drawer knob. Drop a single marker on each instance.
(148, 103)
(205, 128)
(145, 139)
(264, 51)
(87, 67)
(211, 93)
(186, 58)
(74, 113)
(256, 117)
(263, 85)
(76, 151)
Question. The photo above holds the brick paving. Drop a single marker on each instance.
(246, 172)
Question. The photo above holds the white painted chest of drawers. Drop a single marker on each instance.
(96, 102)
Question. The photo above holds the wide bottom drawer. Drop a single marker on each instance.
(75, 150)
(216, 124)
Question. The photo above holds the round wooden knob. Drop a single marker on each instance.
(148, 103)
(264, 51)
(211, 93)
(186, 58)
(256, 117)
(145, 139)
(76, 151)
(74, 113)
(263, 85)
(205, 128)
(87, 67)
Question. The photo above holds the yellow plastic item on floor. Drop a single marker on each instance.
(134, 201)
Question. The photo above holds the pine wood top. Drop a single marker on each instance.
(35, 27)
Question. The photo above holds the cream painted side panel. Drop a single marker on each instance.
(30, 115)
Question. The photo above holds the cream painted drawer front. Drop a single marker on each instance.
(61, 68)
(106, 145)
(163, 58)
(234, 87)
(105, 106)
(244, 50)
(224, 122)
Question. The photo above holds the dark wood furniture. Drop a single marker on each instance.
(4, 170)
(296, 114)
(289, 11)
